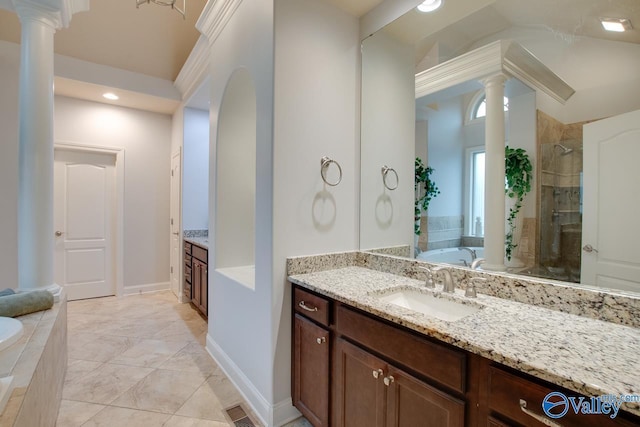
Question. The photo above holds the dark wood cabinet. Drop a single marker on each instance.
(311, 360)
(353, 369)
(196, 276)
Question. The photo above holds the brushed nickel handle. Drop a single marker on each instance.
(544, 420)
(58, 233)
(588, 248)
(321, 340)
(303, 306)
(388, 380)
(378, 373)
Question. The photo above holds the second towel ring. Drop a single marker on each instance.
(385, 171)
(325, 162)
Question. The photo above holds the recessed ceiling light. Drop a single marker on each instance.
(617, 25)
(111, 96)
(429, 5)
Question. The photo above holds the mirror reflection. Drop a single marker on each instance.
(566, 226)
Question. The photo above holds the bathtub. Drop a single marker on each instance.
(455, 256)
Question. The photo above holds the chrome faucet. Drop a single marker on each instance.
(428, 283)
(476, 263)
(471, 288)
(473, 253)
(449, 283)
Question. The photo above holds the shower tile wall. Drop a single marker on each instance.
(443, 231)
(560, 197)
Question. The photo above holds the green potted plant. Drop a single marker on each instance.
(518, 177)
(425, 189)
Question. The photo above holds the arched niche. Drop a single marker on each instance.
(235, 180)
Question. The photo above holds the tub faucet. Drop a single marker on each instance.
(473, 253)
(476, 263)
(449, 284)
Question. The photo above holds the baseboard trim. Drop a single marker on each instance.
(269, 415)
(145, 289)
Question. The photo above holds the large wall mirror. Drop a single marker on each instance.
(582, 139)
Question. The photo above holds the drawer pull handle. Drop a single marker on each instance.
(378, 373)
(321, 340)
(388, 380)
(305, 307)
(544, 420)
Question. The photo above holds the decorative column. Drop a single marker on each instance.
(494, 195)
(39, 20)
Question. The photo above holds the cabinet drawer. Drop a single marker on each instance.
(187, 260)
(187, 291)
(187, 248)
(442, 364)
(312, 306)
(200, 254)
(506, 390)
(187, 273)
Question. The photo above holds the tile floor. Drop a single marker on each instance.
(140, 361)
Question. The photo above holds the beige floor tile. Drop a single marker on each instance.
(206, 403)
(104, 384)
(102, 349)
(139, 328)
(181, 330)
(77, 369)
(74, 414)
(225, 391)
(149, 353)
(193, 357)
(178, 421)
(124, 417)
(300, 422)
(162, 390)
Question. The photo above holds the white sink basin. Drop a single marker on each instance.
(10, 331)
(429, 304)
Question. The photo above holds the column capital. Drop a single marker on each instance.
(495, 79)
(56, 14)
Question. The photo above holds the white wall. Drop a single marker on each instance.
(235, 311)
(446, 156)
(317, 83)
(146, 139)
(9, 76)
(388, 138)
(195, 170)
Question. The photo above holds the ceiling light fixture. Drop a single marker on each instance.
(429, 5)
(618, 25)
(171, 3)
(110, 95)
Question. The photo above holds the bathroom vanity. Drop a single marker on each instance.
(196, 280)
(359, 360)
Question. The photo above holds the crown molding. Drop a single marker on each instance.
(194, 70)
(502, 56)
(215, 16)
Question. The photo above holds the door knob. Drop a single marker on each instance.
(58, 233)
(388, 380)
(589, 249)
(321, 340)
(378, 373)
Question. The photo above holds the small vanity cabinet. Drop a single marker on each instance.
(196, 276)
(353, 369)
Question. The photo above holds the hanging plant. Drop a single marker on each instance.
(424, 183)
(518, 177)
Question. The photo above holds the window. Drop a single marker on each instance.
(475, 160)
(481, 108)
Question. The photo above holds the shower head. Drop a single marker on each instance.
(564, 150)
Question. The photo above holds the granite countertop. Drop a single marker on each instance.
(200, 241)
(588, 356)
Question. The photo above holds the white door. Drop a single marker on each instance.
(611, 178)
(84, 219)
(176, 246)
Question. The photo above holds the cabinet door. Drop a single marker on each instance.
(359, 391)
(196, 282)
(413, 403)
(311, 371)
(204, 290)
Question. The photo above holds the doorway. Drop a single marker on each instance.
(86, 218)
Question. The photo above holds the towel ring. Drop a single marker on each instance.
(385, 170)
(325, 162)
